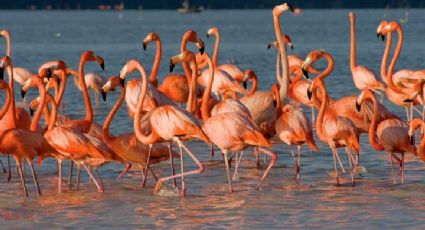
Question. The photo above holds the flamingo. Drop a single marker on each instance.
(334, 130)
(230, 131)
(293, 128)
(126, 145)
(167, 122)
(392, 134)
(363, 77)
(414, 125)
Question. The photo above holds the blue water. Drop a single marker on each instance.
(313, 202)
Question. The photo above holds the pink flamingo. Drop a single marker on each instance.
(414, 125)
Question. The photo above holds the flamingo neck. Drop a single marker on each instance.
(12, 108)
(106, 135)
(216, 47)
(152, 137)
(329, 68)
(284, 79)
(37, 115)
(7, 102)
(278, 110)
(394, 61)
(153, 76)
(373, 126)
(254, 86)
(205, 112)
(191, 100)
(384, 62)
(8, 45)
(53, 114)
(62, 86)
(185, 66)
(353, 63)
(89, 110)
(278, 66)
(321, 115)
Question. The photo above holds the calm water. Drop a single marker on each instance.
(313, 202)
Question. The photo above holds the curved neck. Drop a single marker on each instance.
(7, 102)
(37, 115)
(278, 67)
(216, 47)
(106, 135)
(153, 77)
(191, 100)
(385, 58)
(185, 66)
(329, 68)
(89, 110)
(284, 80)
(205, 112)
(254, 86)
(373, 126)
(278, 110)
(53, 114)
(8, 45)
(394, 60)
(321, 115)
(62, 86)
(151, 138)
(353, 63)
(12, 107)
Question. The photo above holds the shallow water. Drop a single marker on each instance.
(312, 202)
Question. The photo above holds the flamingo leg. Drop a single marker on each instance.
(339, 161)
(257, 158)
(71, 171)
(312, 116)
(4, 169)
(272, 162)
(238, 161)
(418, 111)
(34, 176)
(390, 158)
(145, 171)
(21, 174)
(100, 178)
(196, 171)
(125, 170)
(99, 188)
(173, 172)
(298, 162)
(229, 180)
(183, 188)
(212, 151)
(402, 168)
(59, 176)
(351, 163)
(153, 174)
(9, 174)
(78, 175)
(334, 154)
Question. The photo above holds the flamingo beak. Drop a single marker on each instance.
(144, 46)
(305, 73)
(291, 46)
(102, 65)
(244, 84)
(274, 103)
(412, 139)
(122, 81)
(172, 66)
(103, 95)
(358, 106)
(1, 73)
(290, 7)
(31, 112)
(269, 46)
(208, 35)
(309, 94)
(23, 92)
(49, 73)
(408, 100)
(201, 50)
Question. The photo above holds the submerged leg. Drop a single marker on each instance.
(34, 176)
(145, 171)
(298, 162)
(257, 157)
(335, 154)
(212, 150)
(153, 174)
(21, 174)
(100, 178)
(351, 163)
(272, 162)
(4, 169)
(71, 171)
(125, 170)
(196, 171)
(173, 172)
(390, 156)
(78, 175)
(238, 161)
(229, 180)
(99, 188)
(9, 174)
(183, 188)
(402, 168)
(59, 176)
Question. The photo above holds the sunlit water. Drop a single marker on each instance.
(312, 202)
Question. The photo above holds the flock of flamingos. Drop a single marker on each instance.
(219, 111)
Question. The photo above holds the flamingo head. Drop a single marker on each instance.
(390, 27)
(272, 44)
(279, 9)
(110, 85)
(414, 125)
(212, 32)
(185, 56)
(379, 30)
(249, 75)
(287, 40)
(33, 81)
(4, 62)
(4, 33)
(365, 94)
(352, 16)
(152, 36)
(89, 55)
(33, 105)
(192, 36)
(311, 58)
(315, 84)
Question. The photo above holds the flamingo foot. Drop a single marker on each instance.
(157, 186)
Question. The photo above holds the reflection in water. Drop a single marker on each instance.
(312, 202)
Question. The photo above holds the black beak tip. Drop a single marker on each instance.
(31, 112)
(23, 92)
(103, 95)
(358, 107)
(1, 73)
(305, 73)
(412, 140)
(244, 84)
(208, 35)
(383, 37)
(274, 103)
(102, 65)
(269, 46)
(144, 46)
(122, 82)
(309, 94)
(171, 66)
(408, 100)
(201, 50)
(378, 35)
(290, 7)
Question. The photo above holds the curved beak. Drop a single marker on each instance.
(103, 94)
(274, 103)
(144, 46)
(31, 112)
(358, 106)
(408, 100)
(1, 73)
(172, 66)
(102, 65)
(23, 93)
(291, 46)
(201, 50)
(290, 7)
(305, 73)
(122, 82)
(244, 84)
(309, 94)
(412, 139)
(208, 35)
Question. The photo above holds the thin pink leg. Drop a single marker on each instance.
(99, 188)
(272, 162)
(238, 161)
(173, 172)
(229, 180)
(145, 171)
(125, 170)
(334, 153)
